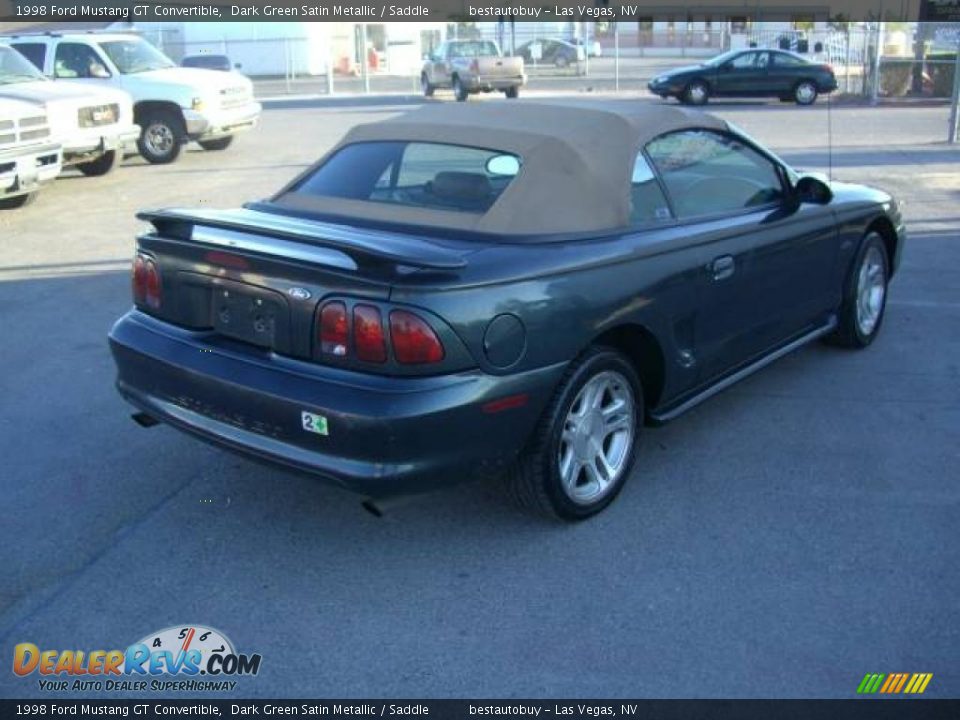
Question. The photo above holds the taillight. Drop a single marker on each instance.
(154, 291)
(414, 342)
(475, 66)
(147, 288)
(368, 334)
(139, 280)
(333, 329)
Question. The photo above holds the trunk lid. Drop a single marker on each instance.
(258, 277)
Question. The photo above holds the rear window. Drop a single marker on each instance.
(414, 174)
(476, 48)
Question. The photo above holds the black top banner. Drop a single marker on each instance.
(41, 11)
(892, 709)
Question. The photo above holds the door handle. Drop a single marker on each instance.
(722, 267)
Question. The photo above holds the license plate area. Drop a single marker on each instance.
(253, 315)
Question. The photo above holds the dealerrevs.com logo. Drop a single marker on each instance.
(200, 658)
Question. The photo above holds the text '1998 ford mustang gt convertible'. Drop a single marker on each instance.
(500, 288)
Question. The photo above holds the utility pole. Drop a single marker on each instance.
(955, 102)
(616, 56)
(364, 60)
(878, 52)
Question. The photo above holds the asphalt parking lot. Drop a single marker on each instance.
(781, 540)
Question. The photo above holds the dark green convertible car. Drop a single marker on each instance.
(748, 73)
(503, 289)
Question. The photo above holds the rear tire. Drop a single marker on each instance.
(864, 296)
(513, 93)
(561, 62)
(218, 144)
(584, 447)
(161, 137)
(17, 201)
(805, 93)
(696, 93)
(102, 165)
(459, 90)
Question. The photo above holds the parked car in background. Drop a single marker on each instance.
(207, 62)
(171, 104)
(29, 156)
(593, 47)
(471, 291)
(748, 73)
(469, 67)
(93, 124)
(551, 52)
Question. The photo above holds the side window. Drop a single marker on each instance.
(36, 53)
(707, 172)
(76, 60)
(784, 60)
(745, 61)
(763, 59)
(647, 199)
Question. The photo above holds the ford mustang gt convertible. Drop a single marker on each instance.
(500, 289)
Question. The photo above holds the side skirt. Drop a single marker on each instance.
(668, 414)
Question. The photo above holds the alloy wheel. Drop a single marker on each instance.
(597, 435)
(871, 290)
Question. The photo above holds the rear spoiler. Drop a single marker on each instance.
(365, 247)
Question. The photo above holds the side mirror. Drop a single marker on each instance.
(813, 190)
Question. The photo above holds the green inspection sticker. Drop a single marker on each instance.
(314, 423)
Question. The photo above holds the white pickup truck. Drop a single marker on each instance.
(28, 156)
(171, 104)
(92, 124)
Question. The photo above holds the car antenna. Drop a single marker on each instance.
(829, 141)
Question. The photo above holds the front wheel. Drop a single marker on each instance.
(805, 93)
(17, 201)
(459, 90)
(218, 144)
(585, 444)
(865, 295)
(161, 137)
(561, 61)
(102, 165)
(696, 93)
(512, 93)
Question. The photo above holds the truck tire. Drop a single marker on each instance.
(587, 433)
(161, 136)
(17, 201)
(218, 144)
(459, 90)
(426, 86)
(512, 93)
(102, 165)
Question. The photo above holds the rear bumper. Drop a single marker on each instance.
(386, 436)
(486, 83)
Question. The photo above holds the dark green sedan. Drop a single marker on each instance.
(748, 73)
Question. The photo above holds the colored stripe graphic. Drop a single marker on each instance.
(908, 683)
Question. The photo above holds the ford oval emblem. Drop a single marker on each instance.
(299, 293)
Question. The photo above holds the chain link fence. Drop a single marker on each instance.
(869, 60)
